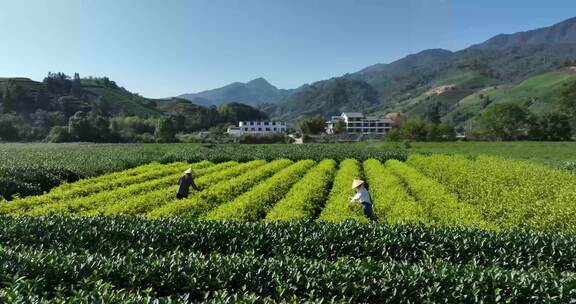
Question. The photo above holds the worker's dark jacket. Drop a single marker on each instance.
(184, 183)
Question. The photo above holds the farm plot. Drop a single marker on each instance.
(267, 231)
(134, 260)
(449, 191)
(508, 194)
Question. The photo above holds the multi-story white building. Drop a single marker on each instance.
(258, 128)
(357, 123)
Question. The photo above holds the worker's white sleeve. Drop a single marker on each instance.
(357, 196)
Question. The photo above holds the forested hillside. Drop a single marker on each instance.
(62, 108)
(457, 86)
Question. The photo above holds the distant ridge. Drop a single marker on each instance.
(560, 33)
(505, 60)
(255, 92)
(528, 67)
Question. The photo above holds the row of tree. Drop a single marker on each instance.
(511, 121)
(413, 129)
(60, 109)
(499, 121)
(93, 127)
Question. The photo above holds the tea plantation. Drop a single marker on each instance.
(450, 229)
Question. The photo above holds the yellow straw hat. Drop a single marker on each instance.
(357, 183)
(189, 171)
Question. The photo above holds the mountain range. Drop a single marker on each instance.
(527, 67)
(255, 92)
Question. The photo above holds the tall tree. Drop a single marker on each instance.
(80, 127)
(75, 87)
(312, 125)
(166, 130)
(41, 100)
(340, 127)
(101, 107)
(554, 126)
(7, 102)
(433, 113)
(8, 127)
(505, 121)
(568, 102)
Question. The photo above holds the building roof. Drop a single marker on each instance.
(352, 114)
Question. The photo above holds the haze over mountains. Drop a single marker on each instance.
(527, 67)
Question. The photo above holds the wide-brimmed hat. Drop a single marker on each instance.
(189, 171)
(357, 183)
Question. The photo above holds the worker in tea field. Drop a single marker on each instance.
(363, 197)
(184, 183)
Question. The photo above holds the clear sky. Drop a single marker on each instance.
(162, 48)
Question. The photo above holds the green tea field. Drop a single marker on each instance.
(450, 228)
(487, 192)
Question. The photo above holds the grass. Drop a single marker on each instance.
(554, 154)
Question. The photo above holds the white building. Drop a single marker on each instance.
(258, 128)
(357, 123)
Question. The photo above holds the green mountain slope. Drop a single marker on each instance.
(327, 98)
(122, 101)
(406, 84)
(560, 33)
(61, 109)
(119, 100)
(255, 92)
(541, 93)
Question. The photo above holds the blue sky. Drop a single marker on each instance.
(162, 48)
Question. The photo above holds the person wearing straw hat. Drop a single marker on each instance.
(184, 183)
(363, 197)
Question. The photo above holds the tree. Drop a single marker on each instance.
(92, 128)
(7, 101)
(133, 128)
(166, 130)
(70, 105)
(568, 102)
(41, 100)
(432, 131)
(58, 83)
(394, 135)
(414, 129)
(75, 87)
(486, 101)
(80, 127)
(235, 112)
(8, 127)
(100, 128)
(446, 131)
(340, 127)
(433, 113)
(59, 134)
(101, 107)
(40, 118)
(551, 126)
(505, 121)
(312, 125)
